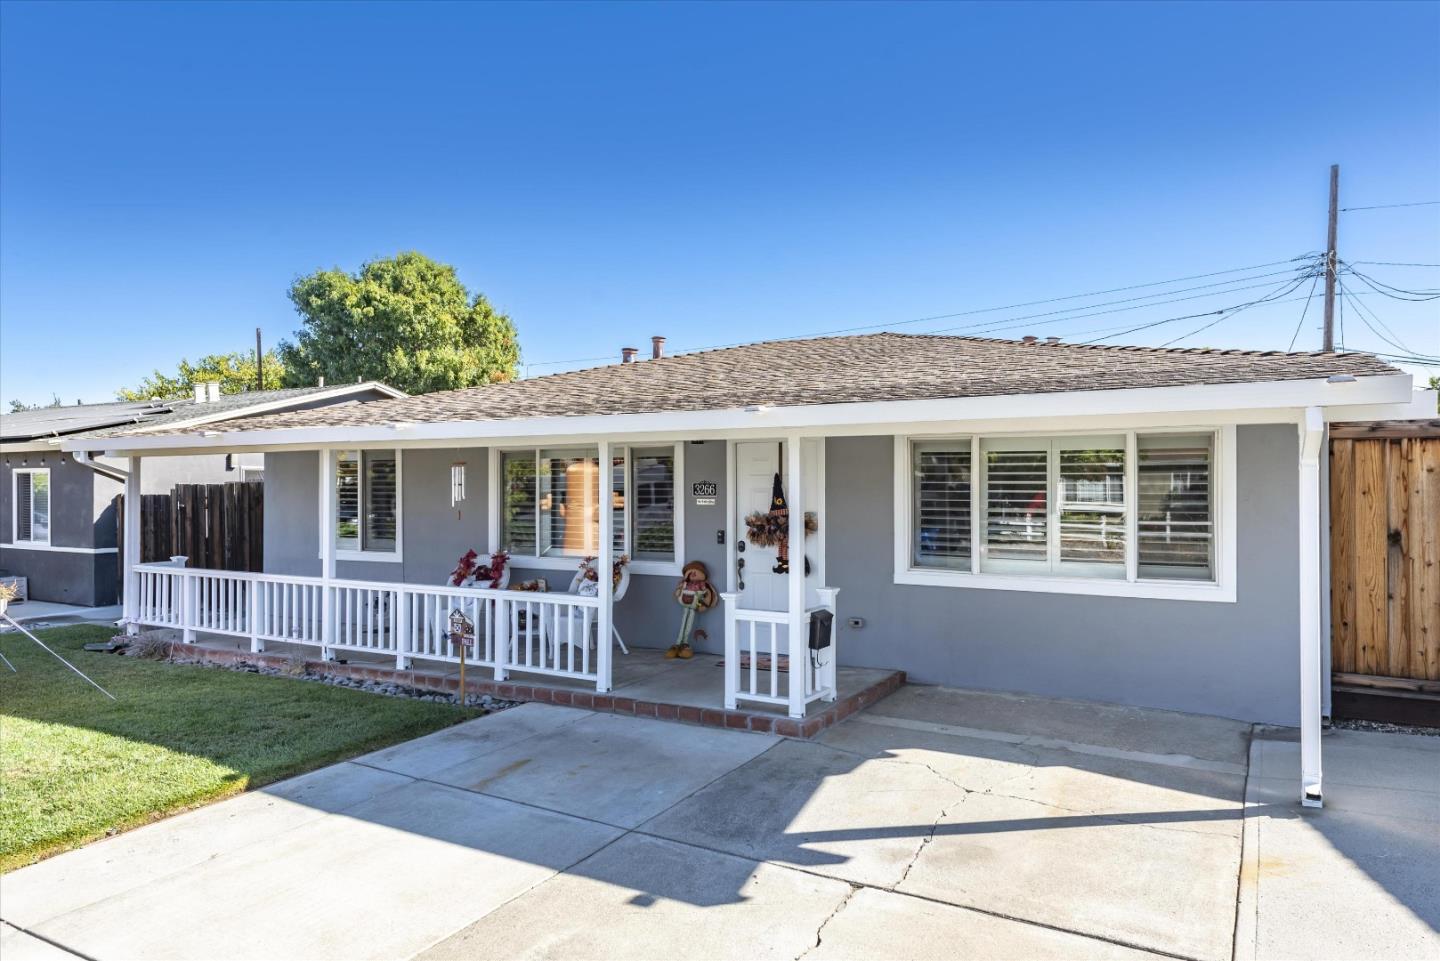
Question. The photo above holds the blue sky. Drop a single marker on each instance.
(713, 173)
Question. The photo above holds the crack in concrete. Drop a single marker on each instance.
(820, 930)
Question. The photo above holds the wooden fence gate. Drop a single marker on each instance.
(1385, 551)
(217, 526)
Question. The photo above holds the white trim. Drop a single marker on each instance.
(27, 546)
(1259, 402)
(731, 554)
(327, 506)
(15, 506)
(1222, 589)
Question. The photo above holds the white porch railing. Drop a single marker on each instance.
(520, 631)
(755, 642)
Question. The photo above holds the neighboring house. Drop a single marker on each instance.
(1135, 525)
(57, 523)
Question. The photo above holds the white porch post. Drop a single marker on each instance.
(795, 608)
(327, 553)
(605, 565)
(131, 601)
(1312, 437)
(730, 601)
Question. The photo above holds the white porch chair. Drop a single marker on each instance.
(577, 618)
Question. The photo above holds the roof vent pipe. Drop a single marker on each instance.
(657, 347)
(212, 390)
(1052, 340)
(1029, 339)
(199, 389)
(627, 354)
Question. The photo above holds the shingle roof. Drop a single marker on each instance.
(834, 370)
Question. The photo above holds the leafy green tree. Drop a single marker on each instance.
(1435, 385)
(16, 406)
(405, 320)
(235, 372)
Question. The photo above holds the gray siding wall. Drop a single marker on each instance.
(1237, 660)
(68, 578)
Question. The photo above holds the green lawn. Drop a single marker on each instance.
(75, 765)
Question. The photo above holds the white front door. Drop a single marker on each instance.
(756, 462)
(759, 587)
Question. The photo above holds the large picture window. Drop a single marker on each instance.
(1135, 507)
(367, 501)
(30, 521)
(550, 503)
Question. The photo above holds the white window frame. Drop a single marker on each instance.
(567, 562)
(328, 524)
(15, 507)
(1220, 589)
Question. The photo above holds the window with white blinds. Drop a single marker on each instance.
(1177, 512)
(31, 518)
(1092, 506)
(941, 504)
(367, 501)
(550, 503)
(1017, 518)
(1131, 506)
(518, 502)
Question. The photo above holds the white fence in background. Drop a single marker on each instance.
(755, 643)
(552, 634)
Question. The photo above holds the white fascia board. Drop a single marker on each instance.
(1421, 406)
(1280, 398)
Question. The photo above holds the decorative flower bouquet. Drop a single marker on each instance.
(591, 574)
(467, 573)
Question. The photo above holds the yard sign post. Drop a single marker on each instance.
(462, 635)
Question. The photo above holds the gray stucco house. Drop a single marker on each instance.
(1134, 525)
(57, 519)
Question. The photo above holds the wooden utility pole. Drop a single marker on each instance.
(260, 358)
(1331, 259)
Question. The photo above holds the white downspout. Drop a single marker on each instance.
(84, 459)
(1312, 439)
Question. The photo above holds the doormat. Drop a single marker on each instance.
(762, 663)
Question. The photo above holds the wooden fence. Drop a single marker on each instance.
(1385, 549)
(217, 526)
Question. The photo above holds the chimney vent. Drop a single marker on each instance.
(1029, 339)
(627, 354)
(657, 347)
(1052, 340)
(199, 389)
(212, 390)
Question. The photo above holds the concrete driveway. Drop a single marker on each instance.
(938, 824)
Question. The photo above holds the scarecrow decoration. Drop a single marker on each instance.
(772, 528)
(696, 595)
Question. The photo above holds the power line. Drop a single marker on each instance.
(1361, 308)
(1007, 323)
(1389, 263)
(1394, 293)
(1301, 322)
(1417, 203)
(1278, 291)
(1226, 316)
(983, 310)
(1344, 293)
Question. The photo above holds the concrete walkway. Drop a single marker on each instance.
(938, 824)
